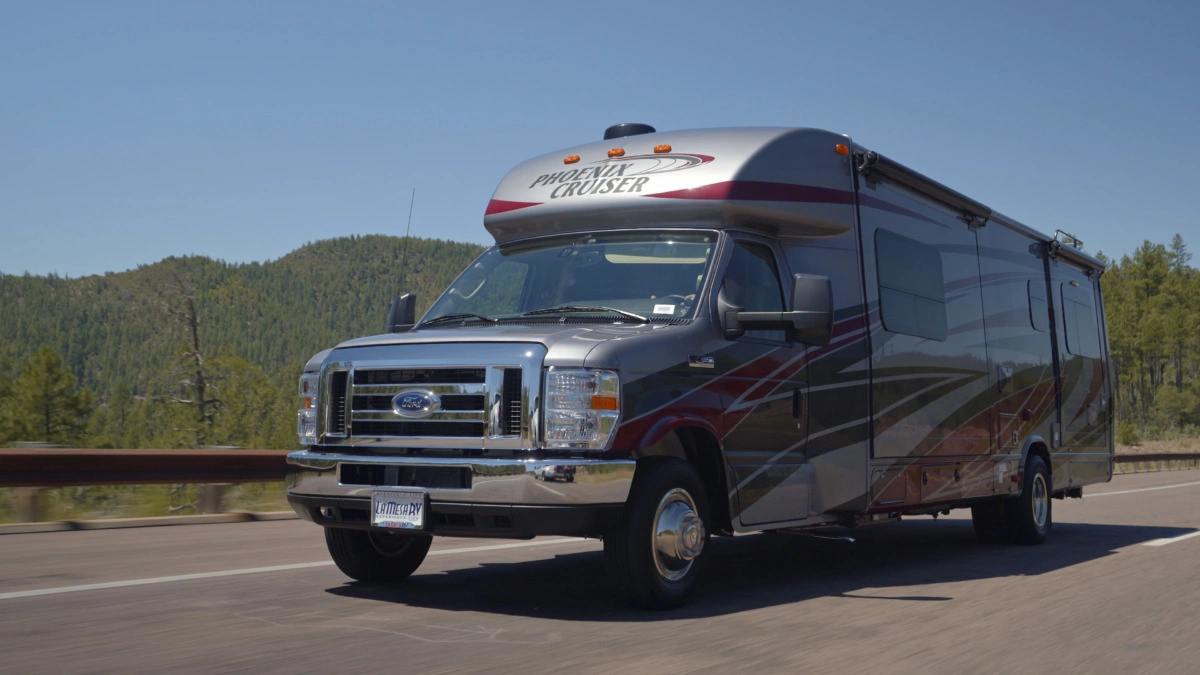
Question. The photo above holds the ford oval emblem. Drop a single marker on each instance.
(416, 403)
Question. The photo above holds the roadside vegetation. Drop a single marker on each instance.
(1152, 302)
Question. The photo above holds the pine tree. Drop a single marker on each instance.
(46, 405)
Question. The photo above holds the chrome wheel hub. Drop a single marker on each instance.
(1041, 501)
(678, 535)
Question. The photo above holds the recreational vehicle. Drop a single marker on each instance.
(706, 333)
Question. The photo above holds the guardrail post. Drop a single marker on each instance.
(210, 497)
(28, 504)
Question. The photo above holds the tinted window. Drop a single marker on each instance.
(1039, 314)
(912, 296)
(752, 283)
(1079, 322)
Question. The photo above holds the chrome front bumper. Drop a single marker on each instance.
(512, 482)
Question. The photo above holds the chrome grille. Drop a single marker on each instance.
(337, 403)
(489, 406)
(421, 376)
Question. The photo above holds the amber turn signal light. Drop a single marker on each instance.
(841, 149)
(604, 403)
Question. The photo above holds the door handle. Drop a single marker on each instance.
(797, 404)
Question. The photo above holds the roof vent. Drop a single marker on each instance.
(627, 129)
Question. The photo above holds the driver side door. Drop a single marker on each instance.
(764, 374)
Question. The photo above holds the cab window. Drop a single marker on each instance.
(752, 283)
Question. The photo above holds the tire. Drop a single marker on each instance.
(660, 551)
(988, 519)
(376, 557)
(1027, 517)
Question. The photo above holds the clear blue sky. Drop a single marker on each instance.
(131, 131)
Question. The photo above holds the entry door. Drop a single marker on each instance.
(765, 394)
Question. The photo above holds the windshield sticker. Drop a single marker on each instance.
(664, 309)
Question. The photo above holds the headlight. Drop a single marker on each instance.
(582, 407)
(306, 418)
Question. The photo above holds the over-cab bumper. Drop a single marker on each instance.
(510, 498)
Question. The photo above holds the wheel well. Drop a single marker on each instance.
(1040, 450)
(697, 447)
(703, 452)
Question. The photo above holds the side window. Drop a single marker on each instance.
(752, 283)
(1079, 322)
(912, 295)
(1039, 314)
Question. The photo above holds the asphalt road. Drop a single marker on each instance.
(1116, 590)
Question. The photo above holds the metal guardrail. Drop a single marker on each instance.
(30, 470)
(68, 467)
(1160, 461)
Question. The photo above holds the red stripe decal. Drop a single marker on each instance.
(760, 191)
(500, 206)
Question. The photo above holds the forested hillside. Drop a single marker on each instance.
(113, 360)
(127, 337)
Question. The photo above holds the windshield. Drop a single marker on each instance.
(621, 276)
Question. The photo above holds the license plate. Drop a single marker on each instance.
(402, 510)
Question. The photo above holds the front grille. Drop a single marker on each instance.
(378, 428)
(337, 403)
(421, 376)
(450, 402)
(430, 477)
(448, 405)
(463, 393)
(510, 401)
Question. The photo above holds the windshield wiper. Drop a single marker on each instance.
(456, 317)
(587, 308)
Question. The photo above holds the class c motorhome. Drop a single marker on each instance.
(687, 334)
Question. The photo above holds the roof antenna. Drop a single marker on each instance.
(404, 252)
(402, 315)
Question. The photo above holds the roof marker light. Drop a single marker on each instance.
(571, 159)
(841, 149)
(665, 147)
(616, 152)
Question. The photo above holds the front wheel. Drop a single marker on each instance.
(376, 557)
(658, 554)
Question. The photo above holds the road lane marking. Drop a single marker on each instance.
(255, 570)
(549, 489)
(1172, 540)
(1127, 492)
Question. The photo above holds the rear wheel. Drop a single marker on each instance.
(376, 557)
(659, 553)
(1027, 517)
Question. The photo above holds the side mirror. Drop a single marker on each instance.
(812, 298)
(402, 315)
(810, 321)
